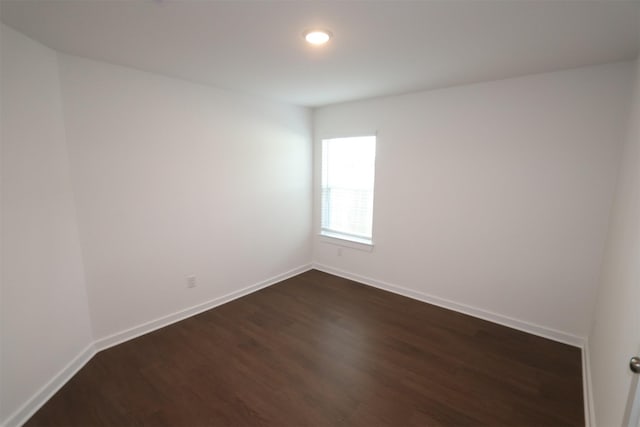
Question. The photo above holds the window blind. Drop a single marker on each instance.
(348, 171)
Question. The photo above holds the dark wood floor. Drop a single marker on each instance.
(318, 350)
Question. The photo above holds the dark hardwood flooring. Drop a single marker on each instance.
(318, 350)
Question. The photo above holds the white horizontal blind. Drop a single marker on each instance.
(348, 169)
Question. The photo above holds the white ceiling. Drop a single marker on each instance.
(379, 48)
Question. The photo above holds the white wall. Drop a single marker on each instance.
(175, 179)
(494, 195)
(44, 315)
(615, 336)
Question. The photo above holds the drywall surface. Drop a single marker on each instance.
(44, 312)
(615, 336)
(495, 196)
(175, 180)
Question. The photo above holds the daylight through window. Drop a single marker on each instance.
(348, 169)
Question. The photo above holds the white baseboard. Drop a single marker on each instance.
(589, 408)
(528, 327)
(161, 322)
(521, 325)
(22, 414)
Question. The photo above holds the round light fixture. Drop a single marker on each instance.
(317, 37)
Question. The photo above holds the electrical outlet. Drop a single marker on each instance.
(339, 251)
(191, 281)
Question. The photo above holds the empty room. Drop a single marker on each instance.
(320, 213)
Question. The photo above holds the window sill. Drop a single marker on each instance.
(346, 241)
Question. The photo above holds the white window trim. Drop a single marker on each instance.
(334, 237)
(346, 241)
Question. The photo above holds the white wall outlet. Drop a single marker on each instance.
(339, 251)
(191, 281)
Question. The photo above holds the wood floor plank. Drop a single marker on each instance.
(319, 350)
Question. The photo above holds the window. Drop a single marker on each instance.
(348, 168)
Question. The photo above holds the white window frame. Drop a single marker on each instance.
(338, 237)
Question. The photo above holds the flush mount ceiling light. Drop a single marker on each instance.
(317, 37)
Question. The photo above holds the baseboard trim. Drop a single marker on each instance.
(22, 414)
(589, 408)
(510, 322)
(161, 322)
